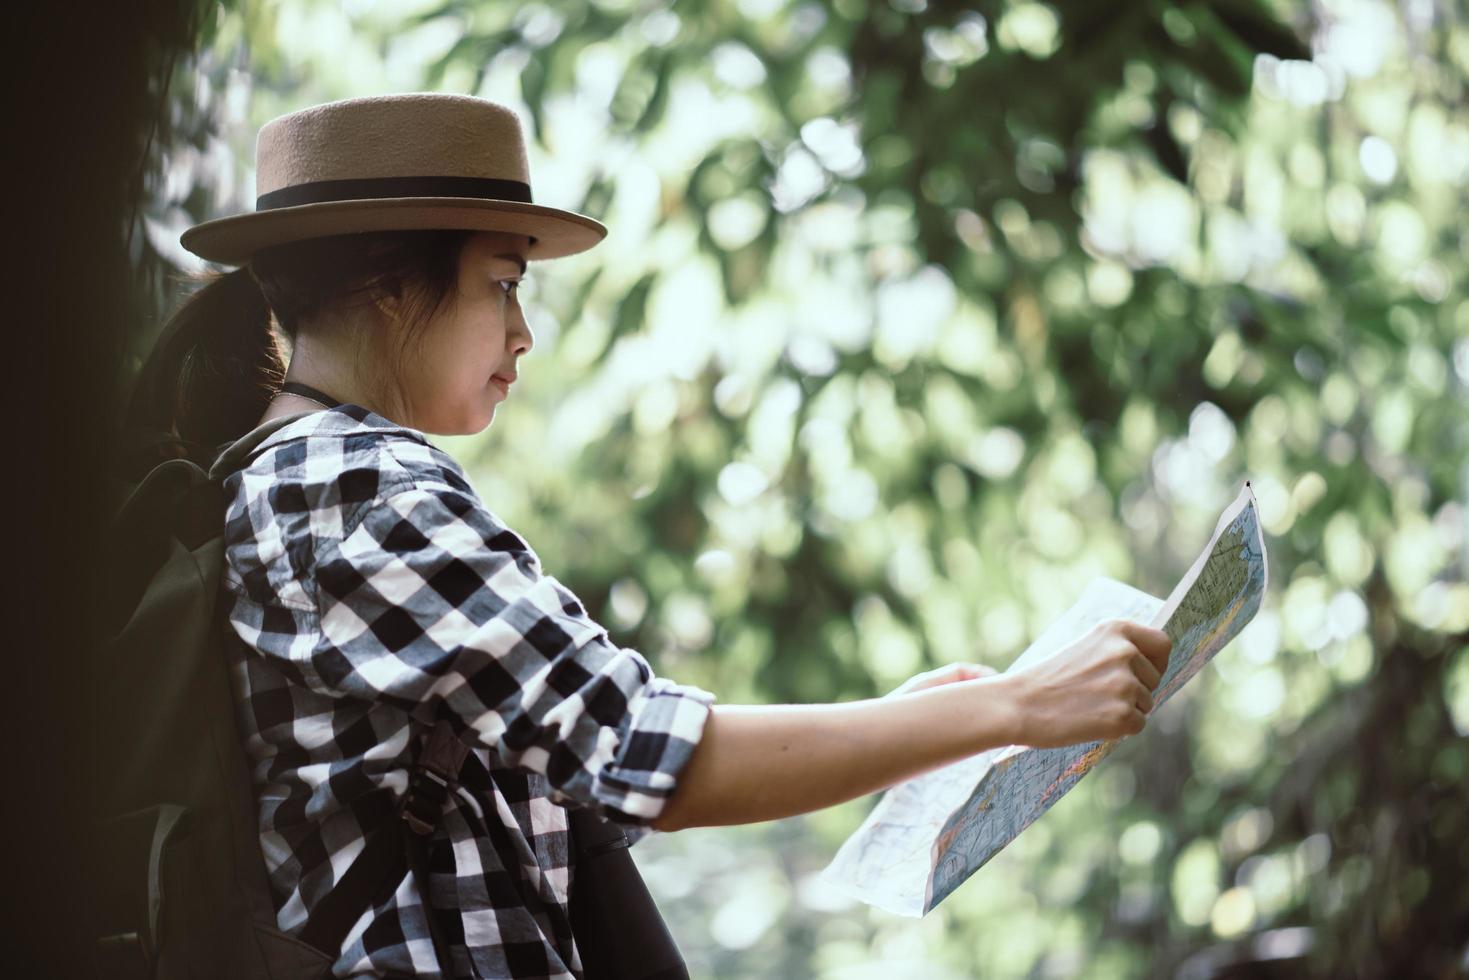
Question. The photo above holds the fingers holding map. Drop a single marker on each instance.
(926, 836)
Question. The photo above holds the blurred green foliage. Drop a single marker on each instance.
(913, 317)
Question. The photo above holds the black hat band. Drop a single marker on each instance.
(361, 188)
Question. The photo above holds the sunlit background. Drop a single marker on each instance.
(915, 317)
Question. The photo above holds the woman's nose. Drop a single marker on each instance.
(522, 336)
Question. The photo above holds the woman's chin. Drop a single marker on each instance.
(486, 414)
(467, 422)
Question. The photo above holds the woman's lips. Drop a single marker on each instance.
(502, 384)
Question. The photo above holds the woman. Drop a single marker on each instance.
(373, 594)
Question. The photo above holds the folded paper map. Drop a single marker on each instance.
(929, 834)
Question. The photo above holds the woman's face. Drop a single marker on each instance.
(448, 376)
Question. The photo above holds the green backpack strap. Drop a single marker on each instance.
(230, 456)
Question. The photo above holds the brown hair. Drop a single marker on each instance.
(219, 360)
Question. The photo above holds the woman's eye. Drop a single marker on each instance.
(508, 285)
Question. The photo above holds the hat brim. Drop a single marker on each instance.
(235, 239)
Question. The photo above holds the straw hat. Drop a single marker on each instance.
(391, 162)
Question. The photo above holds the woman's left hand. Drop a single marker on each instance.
(947, 674)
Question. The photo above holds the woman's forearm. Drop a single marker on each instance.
(764, 762)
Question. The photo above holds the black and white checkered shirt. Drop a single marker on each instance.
(371, 592)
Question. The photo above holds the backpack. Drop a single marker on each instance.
(180, 887)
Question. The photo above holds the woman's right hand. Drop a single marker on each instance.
(1100, 687)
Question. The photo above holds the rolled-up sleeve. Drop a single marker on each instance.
(430, 603)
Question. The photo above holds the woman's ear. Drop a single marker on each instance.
(387, 305)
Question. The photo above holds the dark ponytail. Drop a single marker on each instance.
(219, 360)
(219, 356)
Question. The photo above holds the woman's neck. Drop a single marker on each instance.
(324, 359)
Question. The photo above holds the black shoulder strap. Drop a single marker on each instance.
(399, 844)
(616, 922)
(433, 780)
(371, 877)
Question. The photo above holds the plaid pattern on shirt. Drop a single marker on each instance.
(372, 592)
